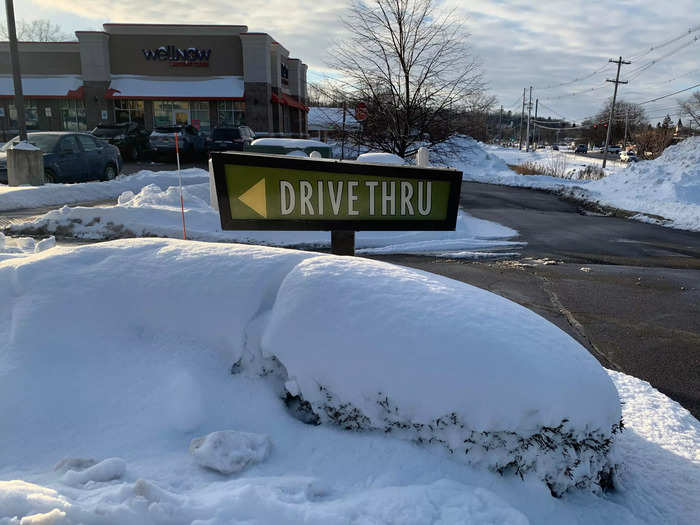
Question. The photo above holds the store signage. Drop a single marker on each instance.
(276, 192)
(191, 56)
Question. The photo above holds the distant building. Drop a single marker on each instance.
(158, 74)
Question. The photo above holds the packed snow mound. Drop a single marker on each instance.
(125, 349)
(288, 143)
(381, 158)
(443, 351)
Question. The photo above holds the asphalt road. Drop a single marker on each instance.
(628, 291)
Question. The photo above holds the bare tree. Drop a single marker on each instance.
(41, 30)
(595, 128)
(692, 107)
(408, 61)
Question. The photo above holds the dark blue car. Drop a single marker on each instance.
(70, 157)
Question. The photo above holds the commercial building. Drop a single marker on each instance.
(204, 75)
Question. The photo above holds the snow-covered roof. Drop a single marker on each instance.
(288, 143)
(42, 86)
(188, 88)
(321, 119)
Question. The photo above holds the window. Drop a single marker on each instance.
(69, 144)
(88, 143)
(199, 112)
(128, 111)
(31, 115)
(167, 113)
(73, 117)
(231, 113)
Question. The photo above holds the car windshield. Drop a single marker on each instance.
(226, 134)
(44, 141)
(108, 131)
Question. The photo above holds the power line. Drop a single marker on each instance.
(668, 42)
(669, 95)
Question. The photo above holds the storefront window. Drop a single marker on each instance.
(231, 113)
(128, 111)
(73, 116)
(31, 115)
(166, 113)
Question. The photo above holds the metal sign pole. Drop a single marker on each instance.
(342, 242)
(16, 75)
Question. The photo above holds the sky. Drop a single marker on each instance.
(520, 43)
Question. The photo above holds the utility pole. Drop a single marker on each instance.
(529, 110)
(500, 125)
(16, 77)
(617, 81)
(535, 132)
(522, 116)
(627, 118)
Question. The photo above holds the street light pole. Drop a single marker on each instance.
(16, 76)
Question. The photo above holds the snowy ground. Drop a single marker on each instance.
(154, 212)
(20, 197)
(100, 418)
(664, 191)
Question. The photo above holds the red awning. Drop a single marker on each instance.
(288, 101)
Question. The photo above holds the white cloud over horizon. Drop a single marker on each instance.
(519, 42)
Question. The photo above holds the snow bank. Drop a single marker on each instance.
(444, 350)
(134, 358)
(668, 186)
(663, 191)
(19, 197)
(153, 212)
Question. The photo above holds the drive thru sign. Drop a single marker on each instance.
(275, 192)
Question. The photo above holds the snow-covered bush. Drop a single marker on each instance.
(363, 345)
(369, 346)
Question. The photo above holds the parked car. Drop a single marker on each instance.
(628, 156)
(190, 142)
(131, 138)
(581, 148)
(230, 138)
(614, 149)
(555, 147)
(70, 157)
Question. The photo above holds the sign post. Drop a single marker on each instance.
(275, 192)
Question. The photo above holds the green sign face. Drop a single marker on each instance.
(277, 192)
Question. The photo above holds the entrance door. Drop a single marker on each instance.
(181, 116)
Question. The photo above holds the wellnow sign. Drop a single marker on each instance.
(191, 56)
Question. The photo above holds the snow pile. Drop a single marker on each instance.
(381, 158)
(149, 368)
(668, 186)
(19, 197)
(664, 191)
(156, 212)
(500, 371)
(392, 377)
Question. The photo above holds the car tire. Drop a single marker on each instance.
(49, 176)
(110, 172)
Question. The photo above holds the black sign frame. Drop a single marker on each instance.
(221, 158)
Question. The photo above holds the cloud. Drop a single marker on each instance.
(520, 42)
